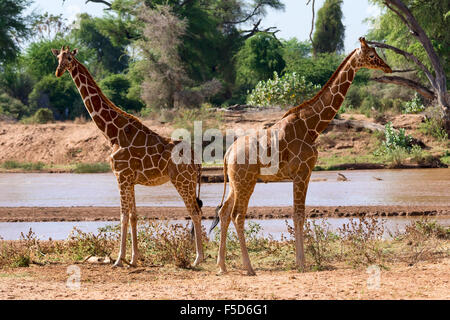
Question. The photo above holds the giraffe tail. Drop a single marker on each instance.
(216, 217)
(199, 202)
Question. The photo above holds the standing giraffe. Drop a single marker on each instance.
(139, 155)
(297, 132)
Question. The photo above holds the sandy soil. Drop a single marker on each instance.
(66, 143)
(27, 214)
(422, 281)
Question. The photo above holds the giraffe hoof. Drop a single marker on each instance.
(251, 273)
(118, 264)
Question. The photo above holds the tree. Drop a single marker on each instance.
(162, 67)
(258, 59)
(13, 27)
(105, 57)
(329, 31)
(116, 87)
(417, 30)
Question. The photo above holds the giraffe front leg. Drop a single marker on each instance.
(125, 209)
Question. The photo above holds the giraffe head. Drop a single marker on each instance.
(368, 58)
(65, 59)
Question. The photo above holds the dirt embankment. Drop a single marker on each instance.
(28, 214)
(67, 143)
(426, 280)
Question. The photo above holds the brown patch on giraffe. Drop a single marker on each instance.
(96, 102)
(119, 165)
(130, 130)
(105, 115)
(344, 87)
(327, 114)
(120, 121)
(140, 139)
(77, 82)
(83, 92)
(92, 90)
(113, 114)
(136, 164)
(322, 125)
(337, 101)
(111, 130)
(152, 173)
(122, 154)
(100, 123)
(311, 122)
(138, 152)
(88, 105)
(82, 78)
(123, 140)
(147, 162)
(74, 72)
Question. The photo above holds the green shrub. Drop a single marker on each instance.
(434, 127)
(29, 166)
(415, 105)
(291, 89)
(12, 108)
(92, 167)
(396, 139)
(43, 115)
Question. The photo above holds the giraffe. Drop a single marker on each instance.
(297, 132)
(139, 155)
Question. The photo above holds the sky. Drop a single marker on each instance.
(294, 21)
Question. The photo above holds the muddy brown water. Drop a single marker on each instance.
(363, 187)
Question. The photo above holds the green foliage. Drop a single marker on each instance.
(104, 56)
(431, 15)
(58, 94)
(415, 105)
(43, 115)
(92, 167)
(434, 127)
(258, 59)
(40, 61)
(12, 108)
(13, 26)
(28, 166)
(316, 70)
(329, 30)
(291, 89)
(117, 88)
(396, 139)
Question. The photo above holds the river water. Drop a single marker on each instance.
(364, 187)
(427, 187)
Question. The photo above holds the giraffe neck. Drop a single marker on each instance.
(108, 117)
(326, 103)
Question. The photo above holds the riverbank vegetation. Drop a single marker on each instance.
(357, 244)
(170, 75)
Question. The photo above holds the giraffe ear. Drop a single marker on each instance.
(74, 52)
(55, 52)
(363, 42)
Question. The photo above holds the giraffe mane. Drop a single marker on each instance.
(105, 98)
(316, 97)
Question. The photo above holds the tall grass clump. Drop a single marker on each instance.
(28, 166)
(98, 167)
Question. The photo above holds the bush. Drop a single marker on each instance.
(396, 139)
(116, 87)
(415, 105)
(92, 167)
(43, 115)
(12, 108)
(291, 89)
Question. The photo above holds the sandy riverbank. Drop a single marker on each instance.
(24, 214)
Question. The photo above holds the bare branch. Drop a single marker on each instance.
(312, 22)
(425, 92)
(402, 71)
(407, 55)
(108, 4)
(256, 29)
